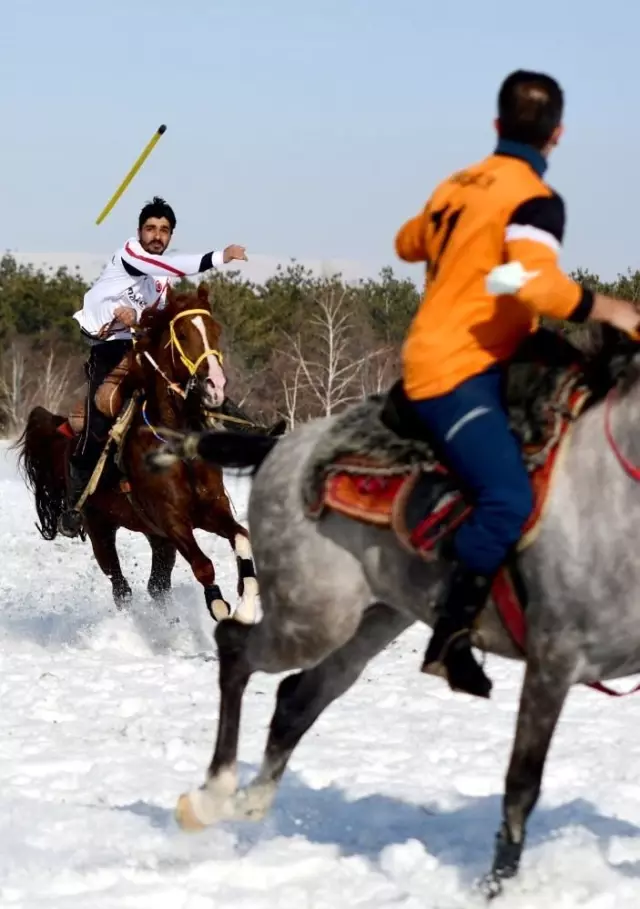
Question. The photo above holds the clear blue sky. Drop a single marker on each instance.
(302, 128)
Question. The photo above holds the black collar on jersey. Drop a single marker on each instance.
(525, 152)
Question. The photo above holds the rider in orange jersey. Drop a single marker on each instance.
(490, 235)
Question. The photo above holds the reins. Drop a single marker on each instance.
(628, 466)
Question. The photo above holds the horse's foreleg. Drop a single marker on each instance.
(163, 559)
(103, 542)
(544, 692)
(203, 570)
(302, 697)
(247, 611)
(220, 521)
(214, 800)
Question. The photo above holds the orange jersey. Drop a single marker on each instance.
(497, 211)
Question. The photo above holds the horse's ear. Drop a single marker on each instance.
(203, 294)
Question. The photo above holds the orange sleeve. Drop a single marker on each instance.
(550, 292)
(410, 240)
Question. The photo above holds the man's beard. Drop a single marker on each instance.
(157, 247)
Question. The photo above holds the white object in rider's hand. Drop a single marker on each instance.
(509, 278)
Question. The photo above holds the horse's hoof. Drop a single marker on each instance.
(70, 524)
(160, 594)
(186, 817)
(122, 595)
(218, 607)
(491, 886)
(254, 802)
(220, 610)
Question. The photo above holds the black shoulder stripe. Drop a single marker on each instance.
(583, 310)
(206, 262)
(130, 269)
(544, 212)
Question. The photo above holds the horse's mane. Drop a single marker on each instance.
(155, 319)
(611, 352)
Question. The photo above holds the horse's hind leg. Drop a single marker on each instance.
(163, 559)
(544, 692)
(214, 800)
(103, 542)
(301, 699)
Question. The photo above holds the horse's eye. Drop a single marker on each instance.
(182, 336)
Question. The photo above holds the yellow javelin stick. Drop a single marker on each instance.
(134, 170)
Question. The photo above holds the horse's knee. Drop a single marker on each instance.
(203, 570)
(232, 639)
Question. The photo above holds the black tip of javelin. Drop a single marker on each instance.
(162, 129)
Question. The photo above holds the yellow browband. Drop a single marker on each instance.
(174, 342)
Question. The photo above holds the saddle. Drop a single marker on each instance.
(393, 477)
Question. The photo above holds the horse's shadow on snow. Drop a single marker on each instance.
(462, 837)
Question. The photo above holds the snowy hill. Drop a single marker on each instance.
(392, 800)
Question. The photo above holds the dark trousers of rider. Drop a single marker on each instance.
(103, 358)
(471, 428)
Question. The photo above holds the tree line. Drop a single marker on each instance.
(296, 346)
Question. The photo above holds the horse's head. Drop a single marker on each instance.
(179, 340)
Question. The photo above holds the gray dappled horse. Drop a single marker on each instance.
(335, 592)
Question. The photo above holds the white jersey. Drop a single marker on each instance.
(136, 279)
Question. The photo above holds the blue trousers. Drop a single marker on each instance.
(471, 428)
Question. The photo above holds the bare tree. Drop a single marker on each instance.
(291, 389)
(45, 380)
(326, 358)
(12, 389)
(380, 370)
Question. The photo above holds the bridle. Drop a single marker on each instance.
(176, 347)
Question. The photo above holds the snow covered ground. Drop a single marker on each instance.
(392, 800)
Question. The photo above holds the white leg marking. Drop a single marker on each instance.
(254, 802)
(248, 610)
(210, 803)
(222, 610)
(242, 546)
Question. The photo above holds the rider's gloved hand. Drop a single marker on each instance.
(126, 316)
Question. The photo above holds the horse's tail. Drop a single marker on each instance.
(231, 450)
(41, 460)
(235, 450)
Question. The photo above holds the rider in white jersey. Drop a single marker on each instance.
(136, 277)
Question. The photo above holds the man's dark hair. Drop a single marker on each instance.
(530, 107)
(157, 208)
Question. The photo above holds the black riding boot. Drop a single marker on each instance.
(449, 653)
(70, 523)
(81, 467)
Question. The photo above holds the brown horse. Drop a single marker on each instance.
(169, 380)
